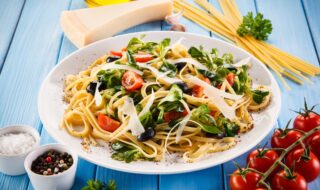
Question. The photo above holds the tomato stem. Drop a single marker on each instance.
(283, 154)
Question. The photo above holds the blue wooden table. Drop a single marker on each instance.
(32, 42)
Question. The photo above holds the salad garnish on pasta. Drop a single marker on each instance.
(152, 99)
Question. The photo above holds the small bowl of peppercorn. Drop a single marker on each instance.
(52, 166)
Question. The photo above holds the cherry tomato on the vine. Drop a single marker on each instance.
(244, 180)
(305, 163)
(261, 159)
(284, 181)
(284, 138)
(314, 142)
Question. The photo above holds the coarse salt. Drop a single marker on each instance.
(16, 143)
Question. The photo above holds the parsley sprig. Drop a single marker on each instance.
(257, 26)
(98, 185)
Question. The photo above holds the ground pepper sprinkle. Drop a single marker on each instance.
(52, 162)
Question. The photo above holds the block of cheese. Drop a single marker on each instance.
(84, 26)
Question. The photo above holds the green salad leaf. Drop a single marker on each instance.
(124, 152)
(165, 67)
(206, 122)
(110, 78)
(259, 95)
(98, 185)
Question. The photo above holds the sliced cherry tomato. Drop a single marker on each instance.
(124, 49)
(197, 91)
(143, 57)
(115, 53)
(131, 81)
(305, 163)
(284, 138)
(230, 78)
(284, 181)
(244, 180)
(261, 159)
(108, 124)
(314, 142)
(171, 115)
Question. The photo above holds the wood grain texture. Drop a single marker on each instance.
(32, 53)
(9, 17)
(311, 8)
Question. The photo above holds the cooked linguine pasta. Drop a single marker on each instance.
(153, 99)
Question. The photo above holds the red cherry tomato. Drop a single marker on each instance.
(131, 81)
(314, 142)
(283, 139)
(282, 181)
(247, 180)
(197, 91)
(143, 57)
(108, 124)
(309, 167)
(262, 160)
(115, 53)
(307, 122)
(230, 78)
(171, 115)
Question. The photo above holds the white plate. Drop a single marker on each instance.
(51, 105)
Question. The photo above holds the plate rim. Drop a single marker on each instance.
(159, 172)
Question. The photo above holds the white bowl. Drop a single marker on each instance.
(13, 164)
(61, 181)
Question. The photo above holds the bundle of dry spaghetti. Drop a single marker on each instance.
(226, 24)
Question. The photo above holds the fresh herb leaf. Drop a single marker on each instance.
(165, 67)
(110, 78)
(111, 185)
(147, 120)
(170, 102)
(203, 57)
(93, 185)
(258, 27)
(131, 60)
(134, 44)
(259, 95)
(228, 58)
(98, 185)
(163, 45)
(242, 82)
(206, 122)
(231, 129)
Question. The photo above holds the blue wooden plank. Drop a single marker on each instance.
(291, 34)
(311, 8)
(206, 179)
(32, 53)
(10, 12)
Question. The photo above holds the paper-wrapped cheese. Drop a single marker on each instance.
(84, 26)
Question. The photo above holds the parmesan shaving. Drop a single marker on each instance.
(148, 104)
(183, 122)
(160, 75)
(242, 62)
(97, 95)
(212, 89)
(215, 97)
(134, 123)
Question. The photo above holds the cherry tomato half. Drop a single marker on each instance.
(108, 124)
(131, 81)
(115, 53)
(230, 78)
(142, 58)
(171, 115)
(197, 91)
